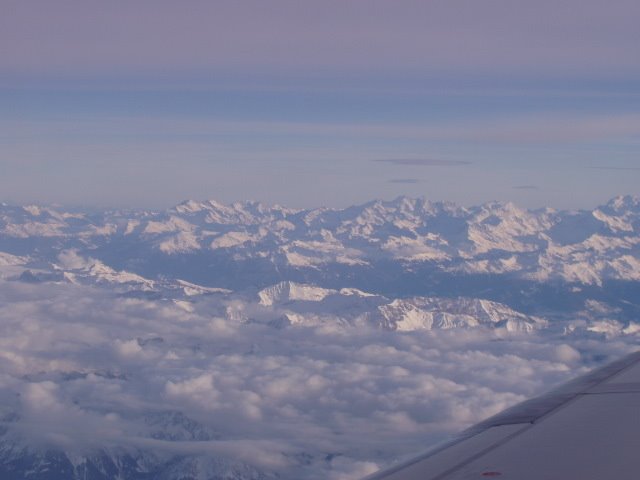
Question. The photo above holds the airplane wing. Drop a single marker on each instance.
(587, 429)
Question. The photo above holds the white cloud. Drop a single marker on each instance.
(71, 260)
(328, 401)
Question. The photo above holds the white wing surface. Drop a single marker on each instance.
(588, 429)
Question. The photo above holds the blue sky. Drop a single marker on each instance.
(319, 103)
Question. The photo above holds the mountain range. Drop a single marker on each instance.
(245, 288)
(529, 259)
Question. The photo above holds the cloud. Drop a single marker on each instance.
(423, 162)
(526, 187)
(616, 168)
(69, 259)
(404, 180)
(145, 375)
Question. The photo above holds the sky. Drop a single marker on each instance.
(148, 103)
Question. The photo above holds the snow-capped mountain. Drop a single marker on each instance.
(531, 260)
(583, 247)
(307, 304)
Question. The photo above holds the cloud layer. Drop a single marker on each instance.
(85, 369)
(424, 162)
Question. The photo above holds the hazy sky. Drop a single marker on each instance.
(147, 103)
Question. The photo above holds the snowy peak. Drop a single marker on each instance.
(623, 203)
(284, 292)
(299, 304)
(424, 313)
(246, 213)
(588, 246)
(7, 259)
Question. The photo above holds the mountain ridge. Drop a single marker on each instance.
(584, 246)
